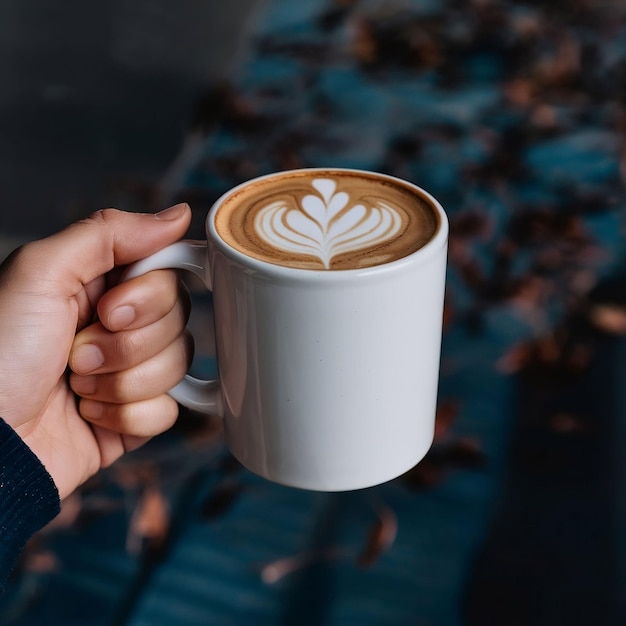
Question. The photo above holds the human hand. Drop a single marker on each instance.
(113, 396)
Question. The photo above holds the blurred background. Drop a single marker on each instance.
(513, 114)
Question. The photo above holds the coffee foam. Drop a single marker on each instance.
(326, 220)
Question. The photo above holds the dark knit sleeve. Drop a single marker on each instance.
(28, 498)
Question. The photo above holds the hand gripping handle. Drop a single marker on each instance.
(199, 395)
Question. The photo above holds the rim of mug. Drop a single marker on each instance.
(432, 247)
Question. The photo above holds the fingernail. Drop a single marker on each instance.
(86, 385)
(91, 409)
(121, 317)
(87, 358)
(173, 213)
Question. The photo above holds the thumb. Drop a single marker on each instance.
(107, 239)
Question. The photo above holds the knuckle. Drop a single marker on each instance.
(25, 261)
(126, 386)
(149, 418)
(103, 216)
(135, 384)
(129, 418)
(165, 286)
(162, 280)
(154, 376)
(155, 294)
(129, 347)
(102, 220)
(23, 253)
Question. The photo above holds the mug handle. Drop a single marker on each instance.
(199, 395)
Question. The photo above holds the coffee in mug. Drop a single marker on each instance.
(328, 289)
(322, 220)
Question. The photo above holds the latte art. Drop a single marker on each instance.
(326, 225)
(326, 219)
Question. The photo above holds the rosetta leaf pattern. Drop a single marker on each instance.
(325, 224)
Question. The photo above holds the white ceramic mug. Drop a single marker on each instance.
(327, 379)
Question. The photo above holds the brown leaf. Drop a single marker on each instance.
(381, 537)
(278, 569)
(519, 92)
(447, 412)
(41, 562)
(609, 318)
(515, 358)
(365, 47)
(544, 116)
(150, 521)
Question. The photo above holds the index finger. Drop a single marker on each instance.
(141, 301)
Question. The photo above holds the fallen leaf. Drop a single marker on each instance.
(381, 537)
(276, 570)
(609, 318)
(42, 562)
(447, 412)
(150, 521)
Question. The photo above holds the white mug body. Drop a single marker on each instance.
(328, 384)
(327, 379)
